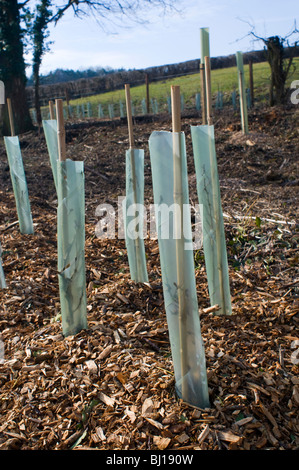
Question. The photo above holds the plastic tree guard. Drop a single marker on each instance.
(134, 216)
(212, 218)
(50, 130)
(2, 277)
(169, 172)
(70, 242)
(19, 184)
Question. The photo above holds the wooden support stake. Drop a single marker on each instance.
(60, 130)
(129, 115)
(11, 120)
(51, 108)
(176, 108)
(208, 89)
(179, 233)
(203, 94)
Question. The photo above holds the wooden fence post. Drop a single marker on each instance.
(11, 119)
(251, 83)
(51, 109)
(147, 94)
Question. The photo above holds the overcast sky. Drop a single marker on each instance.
(79, 44)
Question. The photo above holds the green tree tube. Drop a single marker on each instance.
(170, 185)
(2, 277)
(208, 190)
(134, 216)
(70, 243)
(50, 130)
(204, 44)
(19, 184)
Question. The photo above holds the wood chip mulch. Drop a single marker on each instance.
(112, 386)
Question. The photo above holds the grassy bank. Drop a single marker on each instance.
(224, 80)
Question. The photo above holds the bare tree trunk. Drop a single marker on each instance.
(16, 91)
(271, 93)
(275, 52)
(279, 64)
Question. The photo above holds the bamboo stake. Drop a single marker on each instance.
(62, 157)
(203, 94)
(129, 115)
(60, 130)
(208, 89)
(51, 108)
(176, 108)
(11, 119)
(178, 201)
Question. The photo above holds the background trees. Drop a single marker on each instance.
(12, 64)
(26, 23)
(280, 62)
(280, 68)
(39, 33)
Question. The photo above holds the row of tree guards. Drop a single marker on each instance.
(203, 100)
(117, 110)
(168, 157)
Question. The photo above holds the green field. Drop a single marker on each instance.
(224, 80)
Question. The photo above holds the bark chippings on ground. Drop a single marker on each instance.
(112, 386)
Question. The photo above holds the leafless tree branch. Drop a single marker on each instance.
(115, 9)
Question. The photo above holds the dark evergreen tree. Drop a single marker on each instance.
(39, 33)
(13, 37)
(12, 65)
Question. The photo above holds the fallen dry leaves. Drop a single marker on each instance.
(112, 386)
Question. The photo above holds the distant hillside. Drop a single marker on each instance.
(69, 75)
